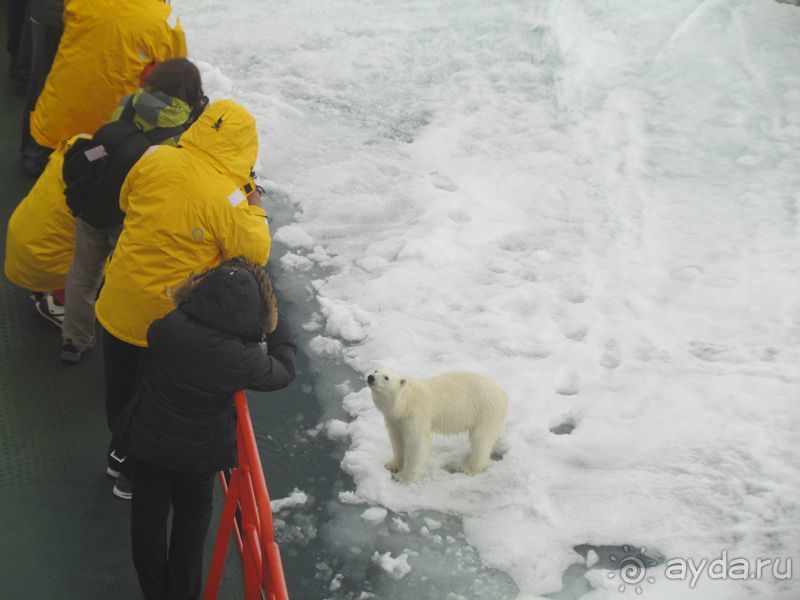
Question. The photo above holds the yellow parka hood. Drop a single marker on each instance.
(226, 134)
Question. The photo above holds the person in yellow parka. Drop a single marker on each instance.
(169, 100)
(187, 209)
(41, 234)
(106, 47)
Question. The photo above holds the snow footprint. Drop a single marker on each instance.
(575, 295)
(707, 351)
(611, 356)
(568, 383)
(687, 273)
(565, 427)
(443, 182)
(574, 331)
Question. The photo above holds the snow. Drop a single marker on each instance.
(350, 497)
(336, 429)
(295, 499)
(374, 515)
(594, 203)
(293, 236)
(400, 525)
(396, 567)
(336, 582)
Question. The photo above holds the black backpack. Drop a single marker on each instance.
(94, 169)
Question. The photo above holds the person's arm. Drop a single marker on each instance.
(244, 230)
(276, 368)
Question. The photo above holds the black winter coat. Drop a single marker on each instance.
(182, 417)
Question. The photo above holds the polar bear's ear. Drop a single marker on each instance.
(402, 382)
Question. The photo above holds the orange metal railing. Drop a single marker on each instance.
(247, 492)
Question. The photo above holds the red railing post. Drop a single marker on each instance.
(223, 483)
(247, 490)
(226, 523)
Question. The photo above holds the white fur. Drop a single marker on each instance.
(450, 403)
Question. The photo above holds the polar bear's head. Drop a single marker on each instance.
(385, 383)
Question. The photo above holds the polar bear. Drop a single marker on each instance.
(449, 403)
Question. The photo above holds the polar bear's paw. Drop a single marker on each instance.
(405, 476)
(392, 465)
(473, 468)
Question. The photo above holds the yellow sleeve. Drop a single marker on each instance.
(246, 233)
(126, 189)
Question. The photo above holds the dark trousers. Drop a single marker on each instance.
(174, 572)
(123, 365)
(44, 45)
(18, 41)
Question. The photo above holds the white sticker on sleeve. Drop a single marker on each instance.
(96, 153)
(236, 198)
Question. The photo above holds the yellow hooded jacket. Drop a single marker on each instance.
(40, 238)
(41, 231)
(105, 46)
(185, 213)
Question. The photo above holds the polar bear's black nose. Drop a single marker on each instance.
(370, 379)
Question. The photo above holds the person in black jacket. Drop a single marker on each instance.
(180, 427)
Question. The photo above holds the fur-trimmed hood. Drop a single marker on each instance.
(182, 417)
(235, 297)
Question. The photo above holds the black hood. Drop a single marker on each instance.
(228, 299)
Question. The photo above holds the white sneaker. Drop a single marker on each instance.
(123, 488)
(51, 311)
